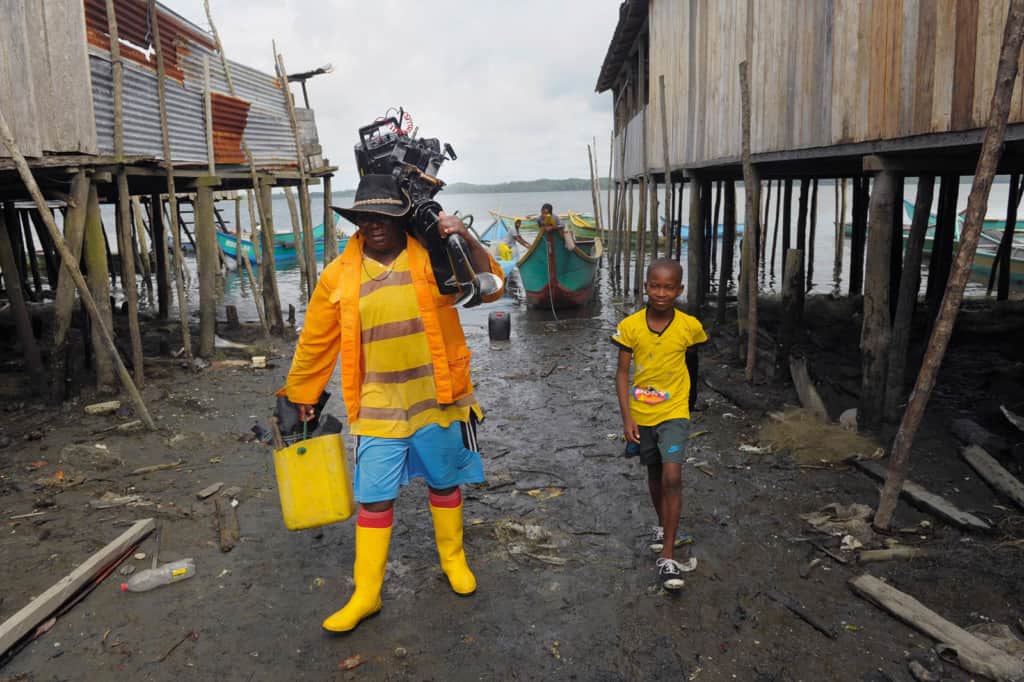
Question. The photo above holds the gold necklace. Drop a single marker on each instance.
(384, 275)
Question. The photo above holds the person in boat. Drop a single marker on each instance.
(516, 236)
(547, 220)
(405, 381)
(655, 405)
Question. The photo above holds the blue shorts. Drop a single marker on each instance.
(442, 456)
(662, 443)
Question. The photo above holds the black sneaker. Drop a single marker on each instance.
(670, 574)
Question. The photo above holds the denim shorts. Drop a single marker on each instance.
(664, 442)
(445, 457)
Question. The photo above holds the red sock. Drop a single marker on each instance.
(372, 519)
(449, 501)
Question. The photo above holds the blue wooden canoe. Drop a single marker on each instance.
(552, 275)
(285, 252)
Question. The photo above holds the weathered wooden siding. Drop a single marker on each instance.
(44, 76)
(823, 73)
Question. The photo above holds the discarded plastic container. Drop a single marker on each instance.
(174, 572)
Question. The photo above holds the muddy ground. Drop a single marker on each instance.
(580, 602)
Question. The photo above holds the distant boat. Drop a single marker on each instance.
(583, 221)
(496, 234)
(556, 276)
(285, 252)
(684, 230)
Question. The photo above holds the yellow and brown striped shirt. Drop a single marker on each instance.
(398, 396)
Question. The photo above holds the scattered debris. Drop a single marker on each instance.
(868, 555)
(158, 467)
(755, 449)
(259, 362)
(972, 433)
(1000, 636)
(109, 407)
(191, 635)
(227, 523)
(209, 490)
(853, 520)
(109, 500)
(29, 515)
(546, 493)
(994, 474)
(925, 665)
(848, 420)
(352, 662)
(232, 491)
(96, 457)
(850, 543)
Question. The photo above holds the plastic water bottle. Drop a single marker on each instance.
(174, 572)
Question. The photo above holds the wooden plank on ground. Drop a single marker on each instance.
(994, 474)
(22, 622)
(227, 522)
(973, 654)
(930, 502)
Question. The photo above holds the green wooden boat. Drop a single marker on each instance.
(554, 276)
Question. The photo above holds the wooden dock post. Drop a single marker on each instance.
(12, 281)
(695, 247)
(627, 238)
(858, 237)
(988, 161)
(792, 285)
(671, 232)
(775, 229)
(876, 332)
(271, 299)
(308, 251)
(64, 300)
(99, 286)
(300, 243)
(812, 231)
(752, 221)
(30, 252)
(942, 244)
(713, 247)
(910, 284)
(172, 199)
(330, 230)
(728, 245)
(787, 223)
(207, 265)
(1001, 264)
(801, 217)
(163, 280)
(840, 244)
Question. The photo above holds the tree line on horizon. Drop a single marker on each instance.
(540, 185)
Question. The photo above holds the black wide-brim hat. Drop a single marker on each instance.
(377, 195)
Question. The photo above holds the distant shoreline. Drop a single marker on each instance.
(541, 185)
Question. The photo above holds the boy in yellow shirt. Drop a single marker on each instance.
(655, 406)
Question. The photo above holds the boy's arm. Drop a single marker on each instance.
(629, 427)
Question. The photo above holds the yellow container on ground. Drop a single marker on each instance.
(313, 482)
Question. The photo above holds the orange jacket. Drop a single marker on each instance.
(332, 325)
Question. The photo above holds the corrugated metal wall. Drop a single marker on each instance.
(44, 76)
(823, 72)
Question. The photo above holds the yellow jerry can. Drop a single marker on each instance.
(313, 482)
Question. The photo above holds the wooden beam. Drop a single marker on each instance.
(994, 474)
(22, 622)
(972, 653)
(928, 501)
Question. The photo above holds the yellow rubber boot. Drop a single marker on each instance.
(368, 572)
(448, 533)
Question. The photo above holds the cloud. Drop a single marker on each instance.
(509, 84)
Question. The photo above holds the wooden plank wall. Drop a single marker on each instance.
(44, 76)
(823, 72)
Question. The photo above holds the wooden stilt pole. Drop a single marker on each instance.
(812, 233)
(840, 245)
(163, 279)
(801, 216)
(123, 218)
(752, 222)
(671, 233)
(792, 284)
(628, 238)
(64, 300)
(206, 255)
(775, 231)
(330, 229)
(713, 250)
(991, 150)
(705, 252)
(172, 199)
(1002, 260)
(896, 248)
(12, 281)
(728, 242)
(99, 286)
(787, 222)
(876, 332)
(652, 213)
(308, 247)
(30, 251)
(71, 265)
(271, 299)
(593, 188)
(641, 240)
(943, 243)
(52, 263)
(910, 284)
(300, 246)
(857, 241)
(143, 241)
(695, 248)
(763, 242)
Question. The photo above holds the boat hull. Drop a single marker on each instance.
(285, 252)
(554, 276)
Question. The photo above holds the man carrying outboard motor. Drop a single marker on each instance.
(386, 304)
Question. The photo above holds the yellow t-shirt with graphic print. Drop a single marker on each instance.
(399, 395)
(661, 382)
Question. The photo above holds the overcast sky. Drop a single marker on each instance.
(509, 83)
